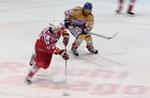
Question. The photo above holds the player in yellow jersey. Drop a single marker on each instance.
(80, 21)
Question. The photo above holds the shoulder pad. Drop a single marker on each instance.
(77, 8)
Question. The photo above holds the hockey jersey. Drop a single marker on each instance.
(77, 17)
(47, 41)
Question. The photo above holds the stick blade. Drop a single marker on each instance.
(113, 35)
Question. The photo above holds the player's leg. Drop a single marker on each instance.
(31, 73)
(38, 58)
(130, 7)
(120, 7)
(42, 60)
(76, 44)
(89, 45)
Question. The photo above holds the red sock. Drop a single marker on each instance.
(131, 5)
(33, 71)
(130, 8)
(121, 5)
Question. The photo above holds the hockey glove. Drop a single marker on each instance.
(65, 41)
(64, 55)
(67, 23)
(85, 30)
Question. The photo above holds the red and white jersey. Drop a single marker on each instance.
(47, 41)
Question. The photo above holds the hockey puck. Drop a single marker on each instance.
(65, 94)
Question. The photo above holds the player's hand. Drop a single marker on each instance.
(67, 23)
(86, 30)
(64, 55)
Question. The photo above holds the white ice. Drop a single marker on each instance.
(120, 70)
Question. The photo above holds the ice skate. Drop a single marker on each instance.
(118, 11)
(130, 13)
(75, 52)
(28, 80)
(94, 51)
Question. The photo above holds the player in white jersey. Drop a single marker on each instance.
(130, 7)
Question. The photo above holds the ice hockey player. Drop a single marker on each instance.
(130, 7)
(45, 47)
(80, 21)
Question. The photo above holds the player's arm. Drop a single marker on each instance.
(65, 35)
(60, 52)
(52, 49)
(89, 24)
(70, 15)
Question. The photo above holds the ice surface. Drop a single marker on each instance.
(120, 70)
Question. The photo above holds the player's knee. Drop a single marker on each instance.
(82, 36)
(88, 38)
(42, 65)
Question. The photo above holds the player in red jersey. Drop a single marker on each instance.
(130, 7)
(45, 47)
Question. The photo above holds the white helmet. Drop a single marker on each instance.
(55, 27)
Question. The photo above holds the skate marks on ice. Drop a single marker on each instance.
(99, 59)
(12, 83)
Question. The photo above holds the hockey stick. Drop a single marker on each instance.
(74, 33)
(66, 74)
(105, 37)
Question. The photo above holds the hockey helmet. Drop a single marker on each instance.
(88, 6)
(55, 27)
